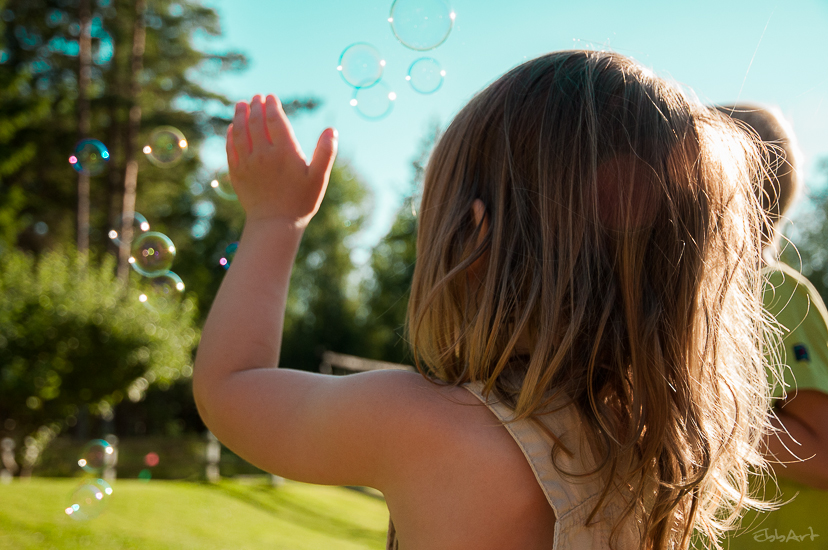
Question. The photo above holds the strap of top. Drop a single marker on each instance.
(572, 494)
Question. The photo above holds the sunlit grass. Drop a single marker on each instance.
(173, 515)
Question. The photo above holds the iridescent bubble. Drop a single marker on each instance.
(152, 254)
(229, 254)
(96, 455)
(166, 146)
(375, 102)
(90, 156)
(89, 500)
(421, 24)
(151, 459)
(223, 187)
(139, 225)
(425, 75)
(361, 65)
(167, 284)
(145, 475)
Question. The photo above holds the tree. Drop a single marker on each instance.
(71, 342)
(392, 266)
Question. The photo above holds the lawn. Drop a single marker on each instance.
(235, 515)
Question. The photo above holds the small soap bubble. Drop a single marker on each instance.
(167, 284)
(421, 24)
(229, 253)
(89, 500)
(139, 225)
(152, 254)
(96, 455)
(166, 146)
(375, 102)
(151, 459)
(223, 187)
(426, 75)
(90, 156)
(145, 475)
(361, 65)
(41, 228)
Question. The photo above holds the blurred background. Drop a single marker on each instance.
(117, 221)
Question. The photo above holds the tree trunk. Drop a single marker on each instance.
(85, 73)
(133, 126)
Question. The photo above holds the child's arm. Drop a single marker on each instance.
(805, 417)
(355, 430)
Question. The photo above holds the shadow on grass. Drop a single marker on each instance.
(288, 507)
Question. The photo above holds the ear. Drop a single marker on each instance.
(476, 269)
(479, 212)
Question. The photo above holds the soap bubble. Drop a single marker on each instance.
(421, 24)
(167, 284)
(375, 102)
(96, 455)
(361, 65)
(426, 75)
(151, 459)
(166, 146)
(152, 254)
(145, 475)
(223, 188)
(90, 156)
(89, 500)
(139, 225)
(229, 253)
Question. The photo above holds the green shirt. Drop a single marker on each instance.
(798, 308)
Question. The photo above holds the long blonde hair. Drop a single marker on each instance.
(623, 242)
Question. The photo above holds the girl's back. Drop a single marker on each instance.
(587, 265)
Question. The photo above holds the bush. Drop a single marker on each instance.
(74, 340)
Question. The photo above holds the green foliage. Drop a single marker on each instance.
(38, 109)
(72, 339)
(386, 293)
(319, 313)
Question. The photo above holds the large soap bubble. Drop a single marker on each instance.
(426, 75)
(421, 24)
(361, 65)
(89, 500)
(96, 455)
(152, 254)
(375, 102)
(90, 156)
(166, 146)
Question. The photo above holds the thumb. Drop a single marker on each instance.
(324, 155)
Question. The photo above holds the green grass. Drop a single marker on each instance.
(232, 515)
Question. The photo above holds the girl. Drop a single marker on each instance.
(585, 317)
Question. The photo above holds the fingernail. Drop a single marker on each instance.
(335, 133)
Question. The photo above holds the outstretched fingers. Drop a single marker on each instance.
(232, 156)
(241, 134)
(278, 126)
(256, 121)
(323, 157)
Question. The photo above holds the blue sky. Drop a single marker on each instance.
(769, 52)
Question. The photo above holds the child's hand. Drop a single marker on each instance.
(267, 167)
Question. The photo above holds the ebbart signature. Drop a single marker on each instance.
(764, 536)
